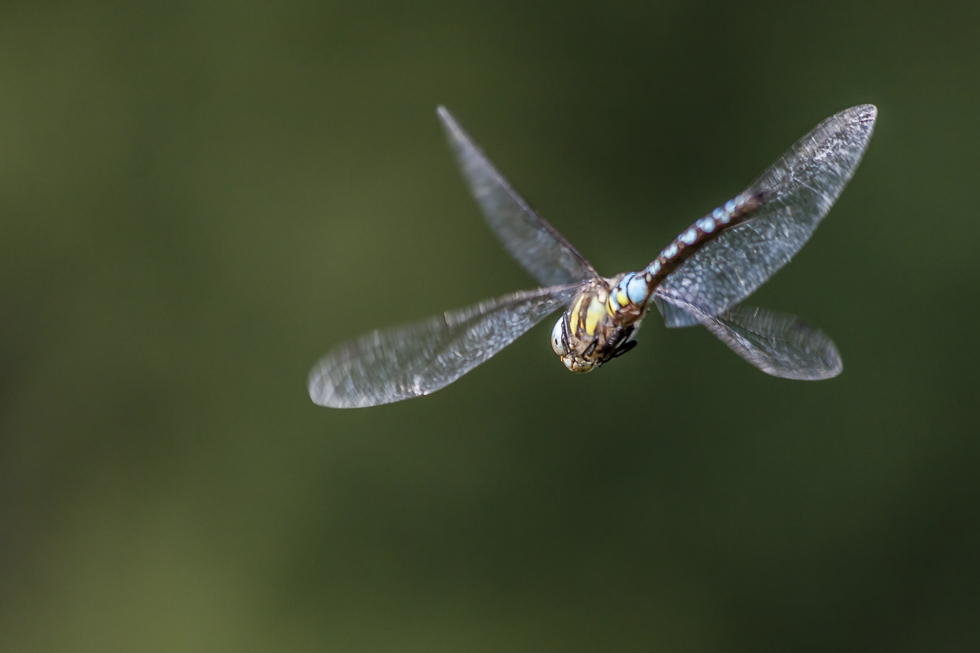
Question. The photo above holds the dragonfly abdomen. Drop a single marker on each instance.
(631, 294)
(704, 230)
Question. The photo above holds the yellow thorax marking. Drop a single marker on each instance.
(573, 316)
(597, 310)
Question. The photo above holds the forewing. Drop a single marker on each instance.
(797, 191)
(675, 317)
(778, 344)
(417, 359)
(527, 236)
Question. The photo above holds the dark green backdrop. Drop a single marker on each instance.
(199, 199)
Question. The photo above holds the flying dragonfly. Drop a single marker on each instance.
(700, 278)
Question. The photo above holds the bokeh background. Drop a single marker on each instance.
(199, 199)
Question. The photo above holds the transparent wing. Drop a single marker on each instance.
(778, 344)
(675, 317)
(530, 240)
(798, 191)
(418, 359)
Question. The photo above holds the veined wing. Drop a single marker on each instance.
(797, 192)
(533, 242)
(675, 317)
(417, 359)
(778, 344)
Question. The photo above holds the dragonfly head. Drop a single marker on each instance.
(561, 343)
(590, 333)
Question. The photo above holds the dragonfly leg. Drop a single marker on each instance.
(591, 348)
(619, 343)
(626, 346)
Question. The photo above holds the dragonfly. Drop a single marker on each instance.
(699, 278)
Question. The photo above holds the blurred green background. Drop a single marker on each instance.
(199, 199)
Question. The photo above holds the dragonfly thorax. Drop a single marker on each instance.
(600, 323)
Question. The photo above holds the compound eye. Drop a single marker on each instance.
(556, 336)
